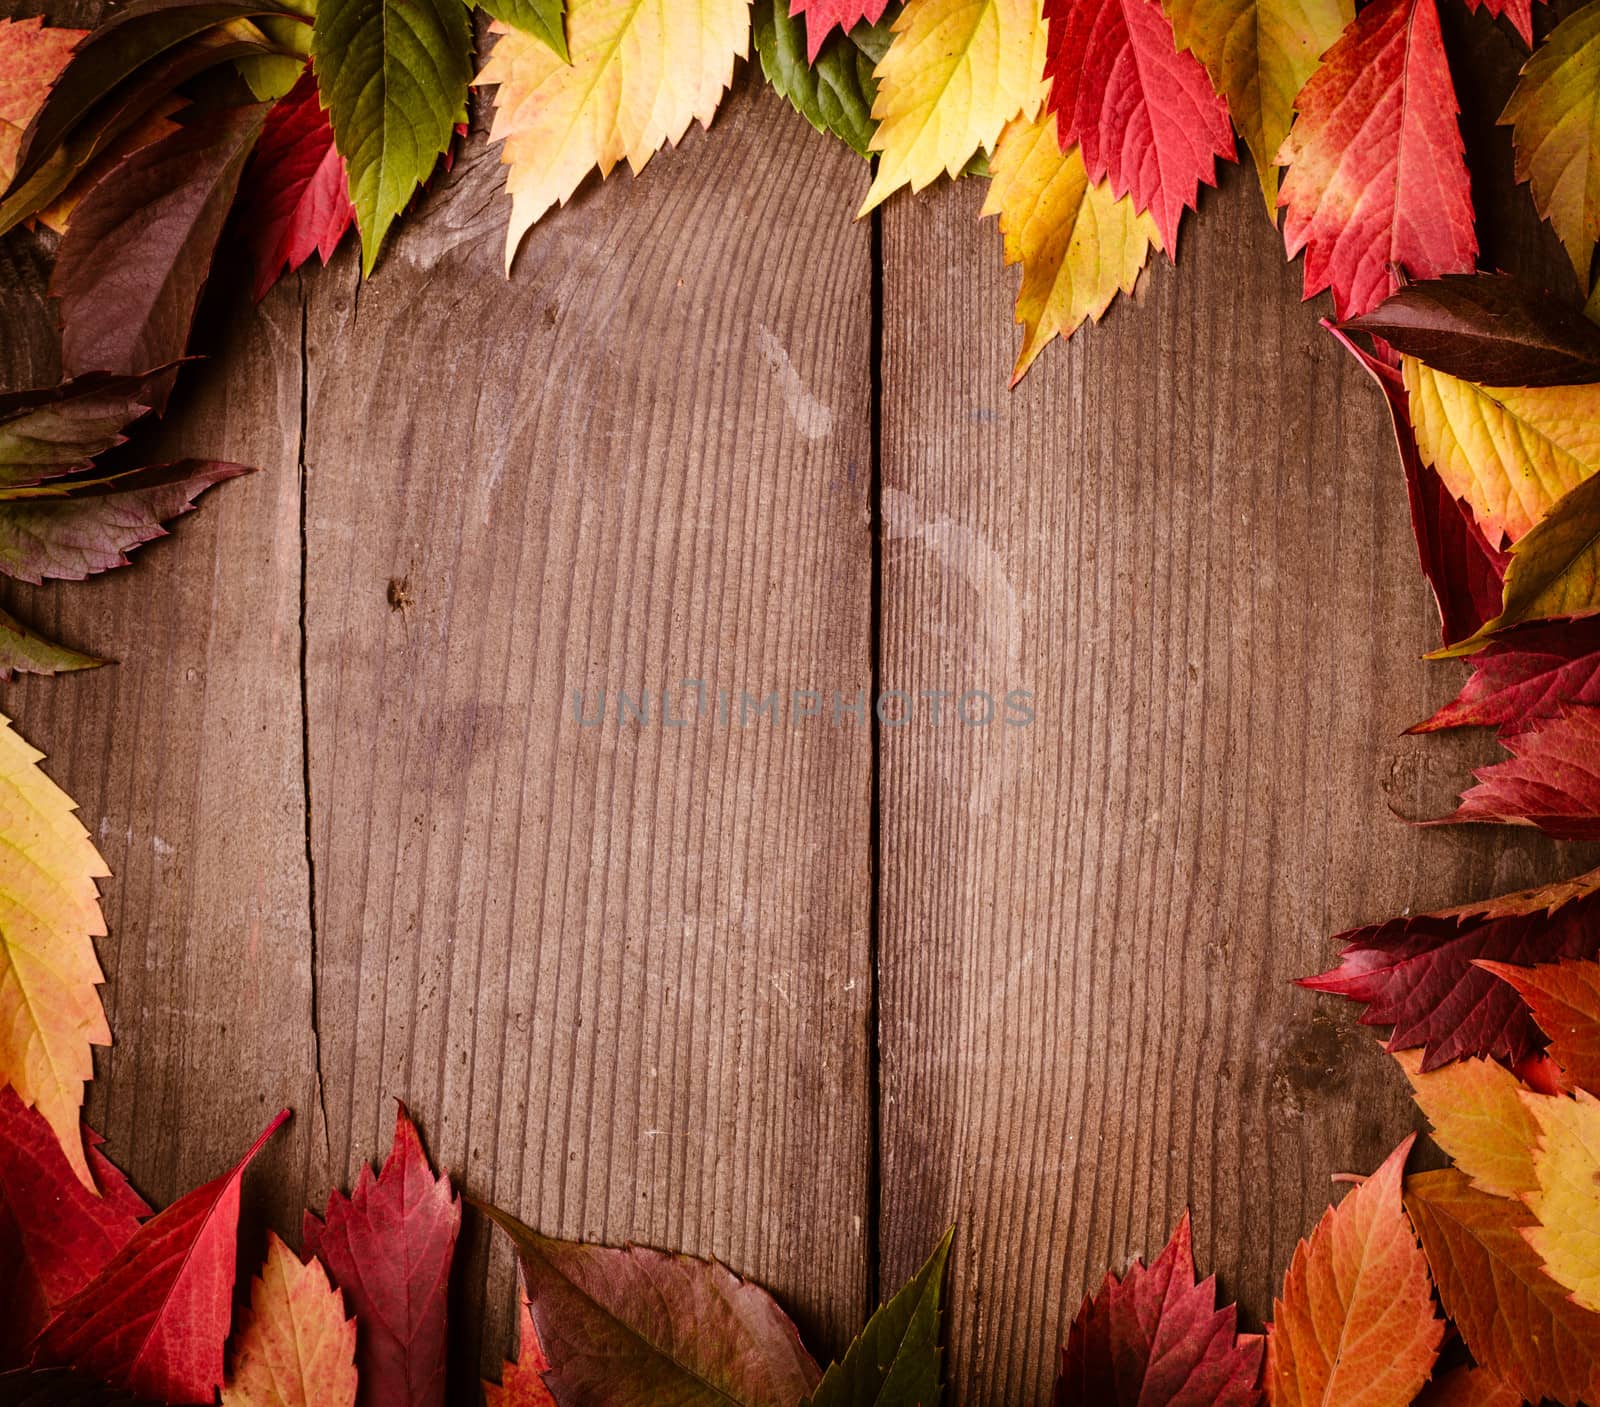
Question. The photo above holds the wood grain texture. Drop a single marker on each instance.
(1186, 532)
(621, 974)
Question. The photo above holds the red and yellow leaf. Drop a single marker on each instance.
(522, 1383)
(294, 1348)
(1479, 1118)
(30, 58)
(1564, 998)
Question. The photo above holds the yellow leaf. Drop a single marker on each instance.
(1510, 452)
(956, 72)
(1077, 244)
(1567, 1198)
(641, 72)
(294, 1348)
(50, 1013)
(1479, 1119)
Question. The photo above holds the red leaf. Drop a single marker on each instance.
(823, 15)
(1519, 12)
(1552, 779)
(1564, 998)
(1465, 571)
(1157, 1339)
(388, 1248)
(1376, 182)
(1140, 110)
(1531, 674)
(55, 1235)
(154, 1319)
(1417, 974)
(295, 200)
(522, 1382)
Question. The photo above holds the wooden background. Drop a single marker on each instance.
(798, 998)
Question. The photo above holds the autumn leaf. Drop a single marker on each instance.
(1259, 55)
(522, 1383)
(1478, 1116)
(1468, 1387)
(1511, 452)
(30, 58)
(1554, 115)
(833, 91)
(1517, 1321)
(1565, 1198)
(23, 651)
(56, 1234)
(636, 1325)
(1077, 244)
(823, 15)
(1551, 780)
(1461, 566)
(1360, 1279)
(393, 77)
(1564, 998)
(1143, 113)
(1519, 12)
(295, 200)
(956, 73)
(1419, 973)
(388, 1246)
(1532, 673)
(641, 72)
(138, 250)
(1376, 178)
(61, 1387)
(1488, 328)
(544, 19)
(1157, 1337)
(154, 1319)
(54, 430)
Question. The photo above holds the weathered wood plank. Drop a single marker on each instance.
(620, 974)
(1186, 532)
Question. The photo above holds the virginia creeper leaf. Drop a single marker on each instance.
(1517, 1321)
(294, 1348)
(388, 1246)
(50, 1013)
(295, 201)
(1157, 1339)
(1259, 54)
(1488, 328)
(823, 15)
(154, 1319)
(1359, 1280)
(1478, 1116)
(1519, 12)
(1533, 673)
(833, 91)
(60, 1387)
(1565, 1198)
(71, 528)
(1418, 973)
(636, 1325)
(54, 430)
(1510, 452)
(393, 76)
(1142, 113)
(641, 72)
(30, 58)
(22, 651)
(1461, 566)
(138, 250)
(1376, 178)
(1564, 998)
(522, 1383)
(1078, 245)
(55, 1234)
(1554, 115)
(955, 74)
(895, 1360)
(1551, 780)
(1469, 1387)
(544, 19)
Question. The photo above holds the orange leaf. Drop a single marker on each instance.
(1469, 1387)
(1565, 1000)
(295, 1348)
(1355, 1323)
(30, 58)
(522, 1382)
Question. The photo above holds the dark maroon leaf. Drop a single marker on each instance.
(61, 1387)
(1489, 328)
(71, 528)
(1417, 975)
(1528, 674)
(139, 247)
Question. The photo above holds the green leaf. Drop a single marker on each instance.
(895, 1360)
(393, 76)
(835, 94)
(544, 19)
(23, 652)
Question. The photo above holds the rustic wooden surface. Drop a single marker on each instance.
(796, 997)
